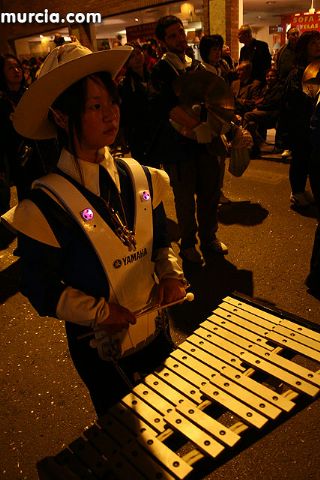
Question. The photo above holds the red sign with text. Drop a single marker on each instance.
(306, 21)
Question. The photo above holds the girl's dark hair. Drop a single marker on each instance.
(72, 103)
(164, 23)
(3, 81)
(301, 50)
(207, 42)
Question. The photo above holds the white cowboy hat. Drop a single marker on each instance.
(63, 66)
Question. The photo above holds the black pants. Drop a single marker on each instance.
(196, 188)
(106, 386)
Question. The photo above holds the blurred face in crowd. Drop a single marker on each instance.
(292, 36)
(245, 36)
(175, 39)
(13, 73)
(243, 72)
(314, 49)
(214, 55)
(99, 121)
(226, 50)
(136, 59)
(271, 77)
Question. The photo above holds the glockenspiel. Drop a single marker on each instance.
(244, 369)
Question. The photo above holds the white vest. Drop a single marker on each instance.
(130, 274)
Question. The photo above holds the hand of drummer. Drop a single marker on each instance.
(119, 319)
(170, 290)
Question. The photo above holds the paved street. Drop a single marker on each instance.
(44, 404)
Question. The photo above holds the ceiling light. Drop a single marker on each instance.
(136, 19)
(312, 9)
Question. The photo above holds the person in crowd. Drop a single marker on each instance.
(135, 92)
(255, 51)
(285, 57)
(12, 86)
(226, 55)
(298, 111)
(35, 63)
(211, 53)
(26, 72)
(150, 56)
(99, 281)
(245, 90)
(193, 170)
(265, 112)
(58, 40)
(15, 150)
(311, 87)
(210, 48)
(284, 61)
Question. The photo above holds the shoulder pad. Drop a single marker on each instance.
(160, 185)
(27, 218)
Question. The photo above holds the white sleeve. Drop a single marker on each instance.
(160, 185)
(77, 307)
(166, 264)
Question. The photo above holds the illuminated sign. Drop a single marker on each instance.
(306, 21)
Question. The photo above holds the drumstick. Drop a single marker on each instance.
(189, 297)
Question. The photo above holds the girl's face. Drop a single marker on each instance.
(214, 55)
(12, 72)
(314, 49)
(100, 121)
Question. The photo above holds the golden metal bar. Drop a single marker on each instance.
(131, 421)
(207, 423)
(177, 466)
(217, 341)
(193, 377)
(205, 357)
(247, 320)
(238, 377)
(201, 439)
(233, 332)
(297, 347)
(239, 306)
(307, 332)
(305, 373)
(132, 450)
(262, 390)
(153, 398)
(169, 392)
(297, 337)
(240, 393)
(212, 349)
(249, 415)
(295, 382)
(143, 410)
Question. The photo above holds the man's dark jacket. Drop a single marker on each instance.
(258, 54)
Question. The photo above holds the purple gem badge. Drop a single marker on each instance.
(87, 214)
(145, 196)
